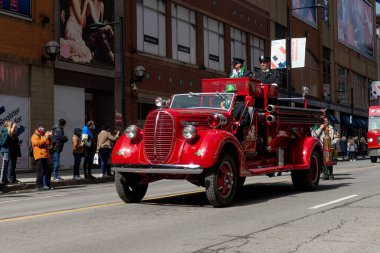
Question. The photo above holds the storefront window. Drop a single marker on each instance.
(213, 35)
(151, 27)
(183, 34)
(257, 49)
(238, 44)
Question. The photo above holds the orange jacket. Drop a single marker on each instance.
(40, 146)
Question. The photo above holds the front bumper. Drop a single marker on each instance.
(183, 169)
(374, 152)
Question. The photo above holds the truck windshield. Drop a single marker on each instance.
(374, 123)
(215, 100)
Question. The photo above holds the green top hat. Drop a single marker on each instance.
(231, 88)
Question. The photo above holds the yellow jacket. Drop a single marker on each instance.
(40, 146)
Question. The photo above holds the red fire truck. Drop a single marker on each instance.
(191, 137)
(373, 135)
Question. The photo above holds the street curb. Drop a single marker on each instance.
(67, 182)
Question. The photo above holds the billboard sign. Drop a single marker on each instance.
(355, 26)
(82, 45)
(16, 7)
(305, 10)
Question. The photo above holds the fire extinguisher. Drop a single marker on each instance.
(327, 145)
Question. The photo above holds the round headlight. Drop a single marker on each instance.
(370, 140)
(159, 102)
(216, 120)
(131, 131)
(189, 132)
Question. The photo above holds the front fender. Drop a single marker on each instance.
(302, 149)
(206, 149)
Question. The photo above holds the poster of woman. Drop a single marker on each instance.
(82, 45)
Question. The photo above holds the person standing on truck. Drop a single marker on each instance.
(239, 69)
(320, 133)
(266, 75)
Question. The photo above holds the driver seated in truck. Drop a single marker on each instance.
(265, 74)
(239, 111)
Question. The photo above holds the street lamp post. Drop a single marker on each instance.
(352, 112)
(122, 58)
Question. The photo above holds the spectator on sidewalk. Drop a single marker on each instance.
(363, 147)
(78, 152)
(88, 137)
(5, 144)
(59, 139)
(104, 147)
(343, 147)
(41, 141)
(357, 151)
(352, 148)
(15, 152)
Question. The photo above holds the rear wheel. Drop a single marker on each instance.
(221, 181)
(373, 159)
(308, 180)
(128, 187)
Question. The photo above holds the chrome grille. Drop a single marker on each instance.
(159, 136)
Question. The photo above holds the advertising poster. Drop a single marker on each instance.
(302, 11)
(278, 53)
(80, 44)
(355, 26)
(17, 7)
(16, 109)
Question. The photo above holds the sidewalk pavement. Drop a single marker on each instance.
(28, 180)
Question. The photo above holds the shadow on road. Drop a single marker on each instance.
(250, 194)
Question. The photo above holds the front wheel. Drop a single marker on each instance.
(221, 181)
(308, 180)
(128, 187)
(373, 159)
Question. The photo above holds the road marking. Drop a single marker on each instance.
(333, 202)
(81, 209)
(44, 197)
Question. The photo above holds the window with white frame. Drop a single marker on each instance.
(151, 27)
(238, 44)
(183, 34)
(213, 35)
(257, 49)
(358, 82)
(342, 80)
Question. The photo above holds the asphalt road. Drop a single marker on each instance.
(268, 216)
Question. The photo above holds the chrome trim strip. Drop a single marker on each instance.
(184, 169)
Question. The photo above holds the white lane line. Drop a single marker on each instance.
(44, 197)
(333, 202)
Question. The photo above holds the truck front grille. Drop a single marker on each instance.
(159, 136)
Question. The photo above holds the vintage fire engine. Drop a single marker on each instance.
(192, 137)
(373, 135)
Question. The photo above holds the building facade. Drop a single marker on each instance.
(178, 43)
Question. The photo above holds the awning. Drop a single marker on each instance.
(346, 120)
(358, 123)
(332, 118)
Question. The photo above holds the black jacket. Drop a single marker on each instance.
(59, 138)
(268, 77)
